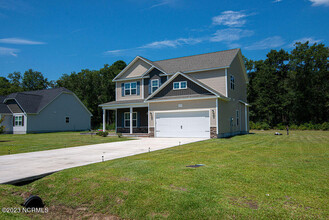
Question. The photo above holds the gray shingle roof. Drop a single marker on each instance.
(197, 62)
(34, 101)
(137, 101)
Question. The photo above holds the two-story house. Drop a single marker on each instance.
(195, 96)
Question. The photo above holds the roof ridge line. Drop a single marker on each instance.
(197, 55)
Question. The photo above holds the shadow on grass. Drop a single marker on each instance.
(229, 137)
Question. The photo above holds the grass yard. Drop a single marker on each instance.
(23, 143)
(257, 176)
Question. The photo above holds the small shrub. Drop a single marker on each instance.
(280, 127)
(252, 125)
(259, 126)
(303, 127)
(324, 126)
(293, 127)
(119, 135)
(102, 133)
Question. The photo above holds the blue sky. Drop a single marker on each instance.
(61, 36)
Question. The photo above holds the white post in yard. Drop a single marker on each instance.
(131, 120)
(104, 115)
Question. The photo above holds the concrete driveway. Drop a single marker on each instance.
(29, 165)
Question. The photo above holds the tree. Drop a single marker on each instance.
(34, 80)
(290, 88)
(93, 87)
(309, 80)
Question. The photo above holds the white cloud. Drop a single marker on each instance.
(267, 43)
(19, 41)
(230, 18)
(275, 1)
(172, 43)
(311, 41)
(162, 3)
(319, 2)
(230, 34)
(4, 51)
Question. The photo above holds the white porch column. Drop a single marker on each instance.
(104, 116)
(131, 120)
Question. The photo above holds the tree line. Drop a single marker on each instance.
(93, 87)
(285, 88)
(290, 87)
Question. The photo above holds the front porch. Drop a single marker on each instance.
(132, 119)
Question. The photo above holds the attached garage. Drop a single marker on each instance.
(182, 124)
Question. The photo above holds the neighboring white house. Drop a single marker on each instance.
(48, 110)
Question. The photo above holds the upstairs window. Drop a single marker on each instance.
(232, 82)
(131, 88)
(154, 85)
(180, 85)
(67, 120)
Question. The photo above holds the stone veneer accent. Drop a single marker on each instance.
(151, 132)
(213, 132)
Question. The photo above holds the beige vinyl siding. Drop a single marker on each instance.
(202, 104)
(226, 111)
(240, 90)
(215, 79)
(118, 91)
(136, 70)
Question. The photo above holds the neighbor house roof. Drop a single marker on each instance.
(3, 107)
(198, 62)
(32, 101)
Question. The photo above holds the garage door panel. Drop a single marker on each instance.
(183, 124)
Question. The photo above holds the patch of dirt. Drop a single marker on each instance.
(119, 200)
(125, 179)
(290, 203)
(244, 202)
(178, 188)
(125, 192)
(63, 212)
(164, 215)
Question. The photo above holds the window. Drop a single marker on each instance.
(232, 82)
(127, 119)
(18, 120)
(180, 85)
(131, 88)
(67, 120)
(237, 118)
(154, 85)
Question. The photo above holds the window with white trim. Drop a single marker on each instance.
(237, 118)
(127, 119)
(154, 85)
(180, 85)
(131, 88)
(19, 120)
(67, 120)
(232, 82)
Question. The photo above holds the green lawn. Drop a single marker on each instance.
(257, 176)
(15, 144)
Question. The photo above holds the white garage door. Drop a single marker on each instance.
(182, 124)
